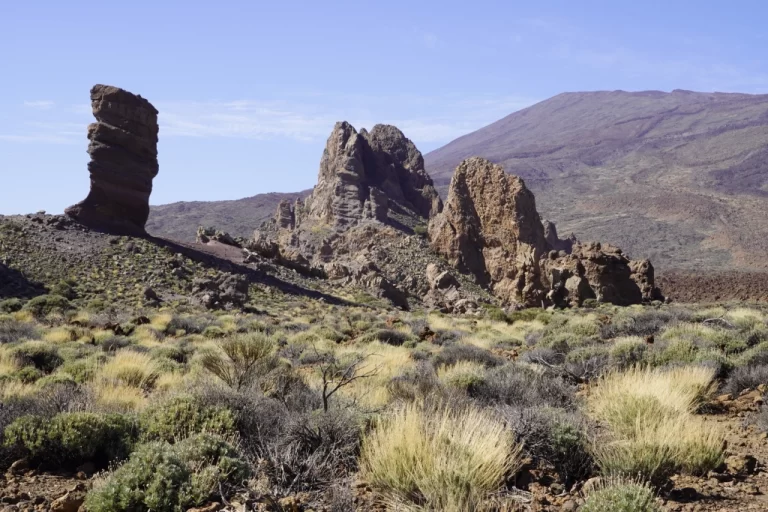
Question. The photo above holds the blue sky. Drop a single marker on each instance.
(248, 91)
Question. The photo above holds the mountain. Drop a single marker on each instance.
(240, 217)
(680, 178)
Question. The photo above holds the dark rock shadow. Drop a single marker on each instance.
(14, 284)
(253, 275)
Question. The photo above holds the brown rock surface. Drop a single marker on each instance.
(364, 175)
(123, 149)
(490, 229)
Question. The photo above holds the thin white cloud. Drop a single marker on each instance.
(249, 119)
(310, 117)
(44, 138)
(39, 104)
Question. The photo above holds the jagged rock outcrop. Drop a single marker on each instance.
(123, 150)
(371, 194)
(285, 216)
(490, 229)
(365, 175)
(550, 234)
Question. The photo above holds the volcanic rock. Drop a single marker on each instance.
(491, 230)
(123, 150)
(364, 175)
(356, 226)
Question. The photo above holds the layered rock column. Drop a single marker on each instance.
(123, 150)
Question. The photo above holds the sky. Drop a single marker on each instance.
(248, 91)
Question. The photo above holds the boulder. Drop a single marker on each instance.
(207, 235)
(123, 150)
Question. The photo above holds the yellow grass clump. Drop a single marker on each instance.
(129, 368)
(650, 413)
(420, 458)
(118, 397)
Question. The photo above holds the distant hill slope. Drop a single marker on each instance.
(680, 177)
(179, 221)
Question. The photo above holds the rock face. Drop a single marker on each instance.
(123, 150)
(490, 229)
(365, 175)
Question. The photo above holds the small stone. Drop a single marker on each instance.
(70, 502)
(19, 467)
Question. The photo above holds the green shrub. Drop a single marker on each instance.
(214, 332)
(497, 315)
(11, 305)
(627, 352)
(553, 436)
(70, 439)
(28, 374)
(621, 497)
(44, 305)
(161, 477)
(183, 416)
(65, 288)
(244, 357)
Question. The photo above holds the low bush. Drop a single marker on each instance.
(44, 305)
(42, 355)
(627, 352)
(70, 439)
(242, 359)
(183, 416)
(618, 495)
(554, 437)
(458, 352)
(520, 386)
(161, 477)
(438, 458)
(12, 331)
(467, 376)
(748, 377)
(11, 305)
(414, 384)
(391, 337)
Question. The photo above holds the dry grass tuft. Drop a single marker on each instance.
(438, 459)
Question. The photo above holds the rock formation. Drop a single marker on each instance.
(490, 229)
(372, 192)
(365, 175)
(123, 150)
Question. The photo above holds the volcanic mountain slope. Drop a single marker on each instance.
(180, 221)
(680, 178)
